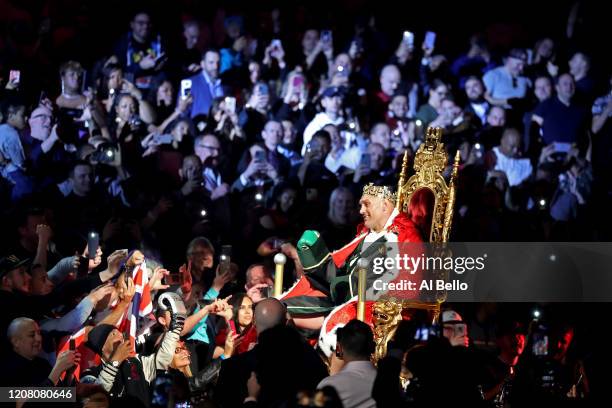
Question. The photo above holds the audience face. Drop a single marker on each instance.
(112, 341)
(449, 111)
(399, 106)
(545, 48)
(191, 33)
(562, 344)
(40, 284)
(287, 199)
(272, 135)
(257, 275)
(180, 130)
(208, 149)
(82, 180)
(319, 148)
(289, 133)
(165, 94)
(474, 90)
(27, 232)
(578, 65)
(510, 143)
(40, 123)
(565, 87)
(141, 27)
(390, 78)
(17, 119)
(71, 80)
(436, 95)
(17, 279)
(201, 257)
(542, 88)
(245, 313)
(457, 334)
(377, 156)
(309, 41)
(115, 79)
(496, 116)
(341, 207)
(126, 108)
(192, 168)
(381, 134)
(27, 341)
(254, 72)
(515, 66)
(182, 357)
(210, 64)
(332, 105)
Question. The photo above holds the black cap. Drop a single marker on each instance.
(10, 263)
(97, 337)
(332, 91)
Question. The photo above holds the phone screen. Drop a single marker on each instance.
(185, 88)
(326, 36)
(430, 40)
(15, 76)
(72, 345)
(260, 156)
(93, 240)
(230, 104)
(365, 159)
(409, 38)
(298, 81)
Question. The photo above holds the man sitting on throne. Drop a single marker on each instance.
(330, 279)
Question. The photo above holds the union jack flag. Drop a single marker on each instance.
(141, 305)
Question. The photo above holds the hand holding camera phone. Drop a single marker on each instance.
(326, 36)
(430, 40)
(93, 241)
(14, 77)
(186, 88)
(230, 104)
(408, 39)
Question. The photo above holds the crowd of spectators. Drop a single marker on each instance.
(232, 136)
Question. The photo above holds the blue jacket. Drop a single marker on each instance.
(202, 96)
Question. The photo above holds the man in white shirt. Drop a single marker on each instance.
(331, 100)
(507, 158)
(354, 382)
(506, 83)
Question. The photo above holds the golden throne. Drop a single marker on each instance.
(430, 162)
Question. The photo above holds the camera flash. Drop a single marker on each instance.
(352, 125)
(109, 153)
(542, 202)
(536, 314)
(258, 196)
(203, 213)
(418, 122)
(477, 146)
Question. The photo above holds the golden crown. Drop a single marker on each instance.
(379, 191)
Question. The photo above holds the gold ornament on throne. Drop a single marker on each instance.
(430, 162)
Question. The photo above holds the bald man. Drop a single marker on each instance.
(22, 366)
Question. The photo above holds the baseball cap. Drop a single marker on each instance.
(332, 91)
(451, 317)
(10, 263)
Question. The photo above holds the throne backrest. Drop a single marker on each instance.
(429, 164)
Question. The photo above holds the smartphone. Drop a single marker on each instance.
(266, 291)
(430, 40)
(260, 156)
(83, 268)
(276, 44)
(326, 36)
(72, 345)
(226, 253)
(93, 240)
(478, 150)
(163, 139)
(230, 104)
(408, 39)
(298, 80)
(174, 279)
(15, 76)
(263, 89)
(365, 160)
(185, 88)
(562, 147)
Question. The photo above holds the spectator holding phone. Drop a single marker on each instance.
(331, 101)
(23, 366)
(506, 85)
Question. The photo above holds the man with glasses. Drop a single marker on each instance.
(506, 84)
(208, 149)
(140, 51)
